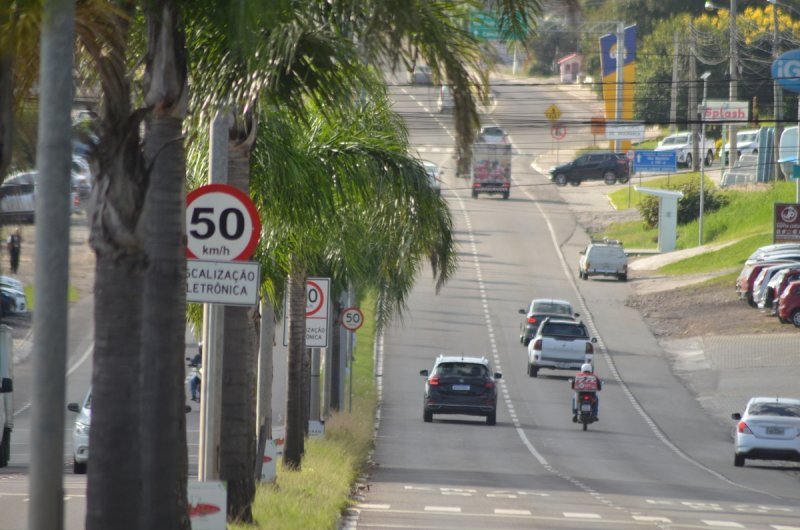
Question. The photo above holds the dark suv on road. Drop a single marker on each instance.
(460, 385)
(610, 167)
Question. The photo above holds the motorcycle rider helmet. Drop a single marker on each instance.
(586, 367)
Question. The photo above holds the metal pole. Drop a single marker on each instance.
(213, 330)
(673, 101)
(777, 94)
(702, 163)
(314, 385)
(49, 358)
(350, 348)
(620, 65)
(734, 81)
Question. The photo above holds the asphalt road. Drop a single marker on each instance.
(655, 460)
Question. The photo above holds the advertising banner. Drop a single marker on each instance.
(608, 67)
(787, 223)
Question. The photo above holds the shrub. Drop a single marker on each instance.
(688, 205)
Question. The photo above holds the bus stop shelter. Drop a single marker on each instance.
(667, 216)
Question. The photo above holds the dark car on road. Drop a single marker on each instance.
(607, 166)
(537, 311)
(460, 385)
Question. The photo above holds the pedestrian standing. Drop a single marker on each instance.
(14, 245)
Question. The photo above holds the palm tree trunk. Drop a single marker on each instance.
(6, 110)
(294, 448)
(238, 444)
(163, 418)
(114, 475)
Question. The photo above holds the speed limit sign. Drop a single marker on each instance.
(222, 224)
(352, 318)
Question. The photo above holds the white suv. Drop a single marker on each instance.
(604, 257)
(80, 434)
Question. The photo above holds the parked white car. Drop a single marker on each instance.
(434, 175)
(746, 144)
(769, 429)
(681, 143)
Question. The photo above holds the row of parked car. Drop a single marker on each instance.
(770, 281)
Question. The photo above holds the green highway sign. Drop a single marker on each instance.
(484, 26)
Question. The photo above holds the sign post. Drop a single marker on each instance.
(221, 224)
(785, 71)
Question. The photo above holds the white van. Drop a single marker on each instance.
(603, 257)
(445, 99)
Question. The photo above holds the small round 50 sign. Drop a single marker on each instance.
(352, 318)
(221, 224)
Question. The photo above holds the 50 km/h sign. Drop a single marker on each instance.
(352, 318)
(317, 310)
(222, 224)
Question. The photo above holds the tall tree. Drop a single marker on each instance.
(163, 419)
(114, 484)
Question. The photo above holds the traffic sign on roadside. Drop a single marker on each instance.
(222, 224)
(785, 70)
(553, 113)
(558, 131)
(317, 311)
(352, 318)
(222, 282)
(654, 162)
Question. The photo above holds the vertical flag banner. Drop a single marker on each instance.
(608, 67)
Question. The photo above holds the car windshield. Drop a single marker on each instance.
(564, 330)
(461, 369)
(552, 308)
(790, 410)
(676, 140)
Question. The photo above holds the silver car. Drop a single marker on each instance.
(80, 434)
(769, 429)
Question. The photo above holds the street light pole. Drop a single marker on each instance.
(704, 77)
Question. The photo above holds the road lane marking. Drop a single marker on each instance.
(579, 515)
(502, 511)
(721, 524)
(781, 527)
(448, 509)
(374, 506)
(648, 519)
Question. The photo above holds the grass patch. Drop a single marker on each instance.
(625, 198)
(747, 221)
(315, 496)
(30, 295)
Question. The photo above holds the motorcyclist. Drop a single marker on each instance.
(586, 381)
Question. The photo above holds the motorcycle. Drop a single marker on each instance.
(195, 378)
(585, 404)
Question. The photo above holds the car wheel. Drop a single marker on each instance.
(79, 468)
(561, 179)
(623, 180)
(5, 447)
(491, 418)
(474, 194)
(505, 195)
(427, 416)
(623, 277)
(575, 182)
(688, 160)
(709, 158)
(526, 341)
(738, 460)
(796, 318)
(532, 370)
(609, 177)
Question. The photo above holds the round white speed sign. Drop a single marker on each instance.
(352, 318)
(222, 224)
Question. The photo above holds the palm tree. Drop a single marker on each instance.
(163, 421)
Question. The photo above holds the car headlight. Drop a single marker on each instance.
(81, 429)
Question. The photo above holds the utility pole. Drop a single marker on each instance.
(777, 93)
(51, 276)
(673, 104)
(620, 78)
(734, 81)
(692, 111)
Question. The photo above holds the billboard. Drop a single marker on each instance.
(608, 68)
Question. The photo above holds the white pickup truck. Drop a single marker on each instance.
(681, 143)
(560, 344)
